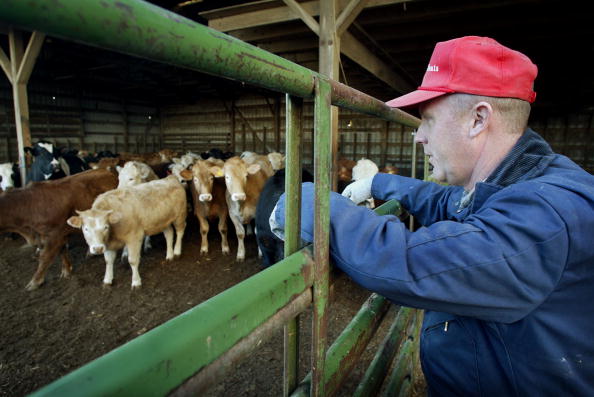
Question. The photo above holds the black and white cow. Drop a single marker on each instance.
(45, 165)
(272, 247)
(9, 176)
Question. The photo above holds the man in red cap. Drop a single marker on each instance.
(503, 264)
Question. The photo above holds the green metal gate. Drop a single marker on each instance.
(189, 352)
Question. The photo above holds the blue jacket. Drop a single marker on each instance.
(507, 281)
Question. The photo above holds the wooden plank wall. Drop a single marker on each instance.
(92, 122)
(102, 122)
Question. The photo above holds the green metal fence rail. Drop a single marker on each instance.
(188, 353)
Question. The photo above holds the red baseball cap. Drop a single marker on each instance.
(474, 65)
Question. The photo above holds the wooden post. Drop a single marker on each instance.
(232, 127)
(125, 125)
(243, 137)
(18, 69)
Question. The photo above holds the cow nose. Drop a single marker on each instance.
(205, 197)
(238, 197)
(97, 249)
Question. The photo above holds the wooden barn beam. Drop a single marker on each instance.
(18, 69)
(351, 47)
(348, 15)
(303, 15)
(278, 14)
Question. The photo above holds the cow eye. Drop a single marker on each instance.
(105, 227)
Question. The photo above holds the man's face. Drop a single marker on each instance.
(444, 135)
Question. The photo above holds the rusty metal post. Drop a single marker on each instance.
(322, 157)
(293, 128)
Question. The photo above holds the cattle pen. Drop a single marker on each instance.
(188, 353)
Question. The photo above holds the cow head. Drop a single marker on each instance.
(96, 226)
(7, 181)
(45, 160)
(132, 173)
(203, 174)
(236, 172)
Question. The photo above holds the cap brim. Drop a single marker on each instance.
(414, 98)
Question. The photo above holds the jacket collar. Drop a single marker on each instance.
(528, 159)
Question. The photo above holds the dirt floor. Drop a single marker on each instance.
(66, 323)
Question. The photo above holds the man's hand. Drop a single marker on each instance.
(359, 191)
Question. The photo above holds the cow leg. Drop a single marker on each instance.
(147, 244)
(46, 256)
(240, 232)
(168, 232)
(180, 229)
(66, 263)
(109, 256)
(223, 232)
(203, 235)
(134, 248)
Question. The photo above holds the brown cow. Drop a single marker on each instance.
(39, 212)
(244, 183)
(208, 194)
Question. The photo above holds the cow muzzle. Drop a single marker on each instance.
(97, 249)
(238, 197)
(205, 197)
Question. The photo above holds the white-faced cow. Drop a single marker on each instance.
(244, 183)
(122, 217)
(134, 173)
(208, 194)
(8, 175)
(39, 212)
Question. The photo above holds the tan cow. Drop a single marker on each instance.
(244, 183)
(122, 217)
(208, 194)
(39, 212)
(262, 160)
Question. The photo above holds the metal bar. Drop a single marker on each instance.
(349, 98)
(142, 29)
(322, 125)
(377, 370)
(157, 362)
(227, 361)
(293, 128)
(401, 372)
(347, 348)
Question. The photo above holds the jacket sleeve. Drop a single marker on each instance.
(496, 266)
(427, 201)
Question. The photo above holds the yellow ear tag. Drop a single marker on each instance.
(219, 173)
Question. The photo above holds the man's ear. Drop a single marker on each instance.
(481, 117)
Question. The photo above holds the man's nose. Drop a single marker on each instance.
(419, 137)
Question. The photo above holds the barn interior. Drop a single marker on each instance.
(90, 98)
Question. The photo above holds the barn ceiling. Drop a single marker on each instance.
(385, 49)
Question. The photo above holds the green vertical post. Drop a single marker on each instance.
(322, 156)
(293, 128)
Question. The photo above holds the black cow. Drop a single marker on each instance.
(272, 247)
(217, 154)
(69, 161)
(45, 165)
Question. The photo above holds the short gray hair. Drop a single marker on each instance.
(514, 112)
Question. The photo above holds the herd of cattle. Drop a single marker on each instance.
(118, 201)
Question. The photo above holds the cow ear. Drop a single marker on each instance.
(217, 171)
(118, 168)
(253, 169)
(114, 217)
(75, 221)
(186, 175)
(144, 173)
